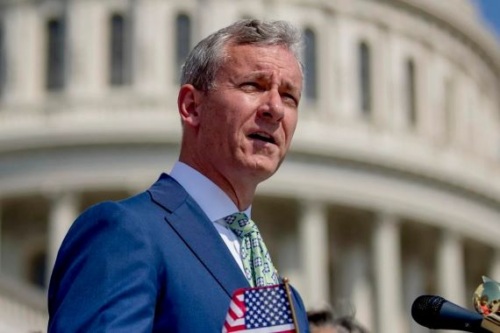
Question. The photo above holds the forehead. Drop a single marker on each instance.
(271, 59)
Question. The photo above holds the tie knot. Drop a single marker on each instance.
(240, 224)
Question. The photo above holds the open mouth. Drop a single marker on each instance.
(262, 137)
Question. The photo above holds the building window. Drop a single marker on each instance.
(55, 54)
(310, 52)
(119, 66)
(365, 89)
(411, 92)
(182, 40)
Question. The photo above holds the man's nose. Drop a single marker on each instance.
(272, 106)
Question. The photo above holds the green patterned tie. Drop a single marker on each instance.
(259, 269)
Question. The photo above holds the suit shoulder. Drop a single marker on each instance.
(128, 206)
(131, 213)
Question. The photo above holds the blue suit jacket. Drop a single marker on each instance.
(151, 263)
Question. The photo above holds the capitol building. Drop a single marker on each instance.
(391, 189)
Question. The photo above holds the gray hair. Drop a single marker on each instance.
(205, 59)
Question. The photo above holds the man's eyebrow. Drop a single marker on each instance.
(289, 86)
(258, 75)
(286, 85)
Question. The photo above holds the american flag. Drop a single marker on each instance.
(259, 310)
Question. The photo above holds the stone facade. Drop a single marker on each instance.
(392, 186)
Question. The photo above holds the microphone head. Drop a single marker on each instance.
(435, 312)
(426, 308)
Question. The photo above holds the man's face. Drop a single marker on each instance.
(248, 119)
(324, 329)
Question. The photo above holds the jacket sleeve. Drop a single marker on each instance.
(106, 276)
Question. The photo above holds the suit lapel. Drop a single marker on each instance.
(198, 233)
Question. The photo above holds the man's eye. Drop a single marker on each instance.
(250, 86)
(290, 99)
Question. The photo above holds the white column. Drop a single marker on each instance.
(328, 61)
(397, 117)
(493, 126)
(427, 122)
(208, 19)
(348, 70)
(313, 231)
(25, 53)
(450, 268)
(150, 52)
(494, 271)
(63, 212)
(380, 78)
(1, 234)
(355, 284)
(88, 48)
(414, 277)
(461, 112)
(387, 267)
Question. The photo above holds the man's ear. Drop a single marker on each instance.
(188, 101)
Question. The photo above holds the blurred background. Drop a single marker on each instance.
(391, 189)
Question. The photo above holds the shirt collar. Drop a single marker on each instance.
(214, 202)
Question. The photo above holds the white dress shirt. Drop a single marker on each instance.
(213, 201)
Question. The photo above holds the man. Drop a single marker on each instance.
(167, 260)
(323, 321)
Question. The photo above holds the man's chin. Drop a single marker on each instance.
(265, 168)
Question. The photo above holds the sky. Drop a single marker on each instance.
(490, 10)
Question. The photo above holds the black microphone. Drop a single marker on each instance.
(437, 313)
